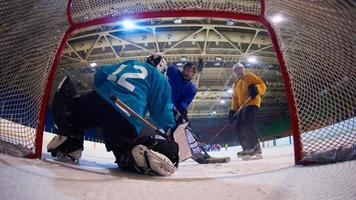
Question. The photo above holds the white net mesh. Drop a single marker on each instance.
(89, 10)
(30, 34)
(317, 39)
(318, 43)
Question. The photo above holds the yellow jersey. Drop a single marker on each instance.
(240, 91)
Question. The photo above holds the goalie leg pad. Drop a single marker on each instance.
(63, 108)
(168, 148)
(149, 155)
(149, 161)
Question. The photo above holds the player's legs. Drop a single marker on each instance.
(249, 130)
(69, 141)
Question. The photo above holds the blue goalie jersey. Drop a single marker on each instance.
(141, 87)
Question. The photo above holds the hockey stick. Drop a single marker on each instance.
(132, 112)
(227, 124)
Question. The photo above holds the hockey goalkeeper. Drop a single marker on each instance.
(142, 87)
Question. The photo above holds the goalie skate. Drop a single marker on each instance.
(72, 157)
(151, 162)
(65, 149)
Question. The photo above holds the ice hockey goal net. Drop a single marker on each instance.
(315, 47)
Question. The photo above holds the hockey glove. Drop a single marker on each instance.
(184, 114)
(252, 91)
(180, 116)
(232, 116)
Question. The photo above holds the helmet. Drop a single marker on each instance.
(237, 65)
(158, 62)
(187, 75)
(238, 70)
(189, 65)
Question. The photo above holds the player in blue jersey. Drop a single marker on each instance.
(143, 88)
(183, 90)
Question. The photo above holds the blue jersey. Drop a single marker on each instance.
(141, 87)
(183, 91)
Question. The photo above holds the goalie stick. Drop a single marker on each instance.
(122, 105)
(179, 135)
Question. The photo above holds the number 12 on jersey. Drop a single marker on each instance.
(122, 79)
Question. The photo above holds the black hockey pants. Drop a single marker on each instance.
(245, 127)
(92, 111)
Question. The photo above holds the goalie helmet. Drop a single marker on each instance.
(158, 62)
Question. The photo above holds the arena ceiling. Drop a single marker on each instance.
(213, 44)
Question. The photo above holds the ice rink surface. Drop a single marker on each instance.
(274, 177)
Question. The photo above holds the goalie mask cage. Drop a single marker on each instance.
(315, 47)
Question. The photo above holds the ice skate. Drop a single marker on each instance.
(252, 157)
(151, 162)
(65, 149)
(252, 154)
(72, 158)
(240, 154)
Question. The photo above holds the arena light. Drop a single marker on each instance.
(222, 101)
(229, 23)
(177, 21)
(277, 19)
(183, 58)
(229, 91)
(128, 24)
(218, 58)
(92, 64)
(252, 60)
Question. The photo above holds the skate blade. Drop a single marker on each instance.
(254, 157)
(158, 164)
(67, 159)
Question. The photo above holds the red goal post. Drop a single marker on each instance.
(314, 46)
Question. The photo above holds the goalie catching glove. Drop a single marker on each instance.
(150, 155)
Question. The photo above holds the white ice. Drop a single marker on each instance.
(274, 177)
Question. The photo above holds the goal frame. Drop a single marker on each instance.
(159, 14)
